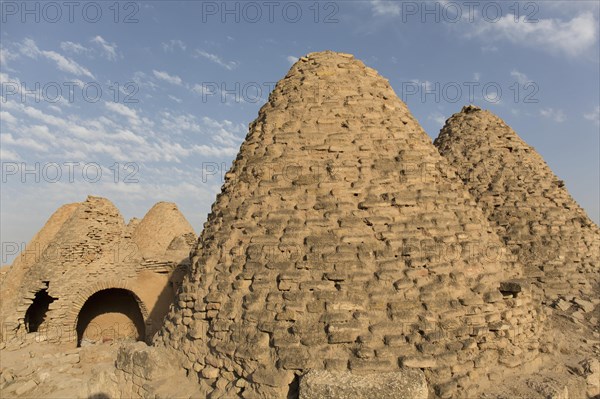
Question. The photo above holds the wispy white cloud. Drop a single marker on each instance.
(176, 99)
(67, 65)
(519, 76)
(173, 45)
(9, 155)
(425, 84)
(489, 49)
(72, 47)
(224, 132)
(180, 123)
(123, 110)
(572, 37)
(201, 89)
(125, 134)
(6, 55)
(593, 116)
(291, 59)
(229, 65)
(27, 143)
(30, 49)
(438, 118)
(55, 108)
(7, 117)
(109, 50)
(173, 79)
(385, 8)
(142, 80)
(557, 115)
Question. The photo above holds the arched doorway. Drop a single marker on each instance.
(110, 314)
(36, 313)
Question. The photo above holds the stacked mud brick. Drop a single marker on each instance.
(342, 240)
(85, 248)
(529, 207)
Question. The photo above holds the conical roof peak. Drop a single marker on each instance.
(159, 226)
(329, 54)
(467, 109)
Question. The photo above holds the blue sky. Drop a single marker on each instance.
(147, 102)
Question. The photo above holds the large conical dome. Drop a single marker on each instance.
(529, 206)
(343, 240)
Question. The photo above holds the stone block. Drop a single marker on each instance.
(146, 362)
(406, 384)
(586, 306)
(272, 377)
(493, 296)
(25, 387)
(420, 362)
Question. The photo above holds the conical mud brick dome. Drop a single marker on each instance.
(342, 240)
(86, 273)
(529, 206)
(153, 236)
(76, 237)
(20, 270)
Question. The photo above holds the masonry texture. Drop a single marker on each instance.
(87, 266)
(344, 257)
(342, 240)
(529, 207)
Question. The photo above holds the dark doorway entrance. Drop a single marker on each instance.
(109, 315)
(36, 313)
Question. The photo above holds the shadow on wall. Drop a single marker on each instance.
(166, 298)
(36, 313)
(100, 395)
(115, 313)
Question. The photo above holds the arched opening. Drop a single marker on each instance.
(109, 315)
(36, 313)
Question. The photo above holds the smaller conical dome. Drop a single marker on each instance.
(159, 227)
(22, 263)
(529, 206)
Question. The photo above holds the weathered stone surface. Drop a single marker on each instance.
(146, 362)
(405, 384)
(272, 377)
(25, 387)
(419, 362)
(527, 204)
(86, 248)
(345, 258)
(343, 234)
(587, 306)
(544, 228)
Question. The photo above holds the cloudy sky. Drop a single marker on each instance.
(142, 102)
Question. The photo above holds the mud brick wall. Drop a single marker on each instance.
(85, 248)
(529, 207)
(342, 240)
